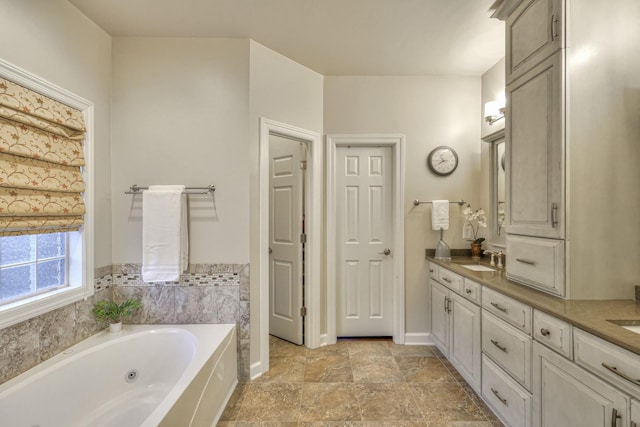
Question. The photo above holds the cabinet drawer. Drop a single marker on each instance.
(433, 271)
(537, 262)
(450, 279)
(615, 364)
(472, 290)
(509, 400)
(508, 347)
(514, 312)
(554, 333)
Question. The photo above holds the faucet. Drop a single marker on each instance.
(493, 256)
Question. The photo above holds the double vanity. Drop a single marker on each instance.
(537, 360)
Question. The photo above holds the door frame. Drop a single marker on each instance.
(313, 226)
(397, 144)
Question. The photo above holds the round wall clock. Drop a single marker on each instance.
(442, 160)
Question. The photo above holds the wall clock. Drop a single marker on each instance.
(442, 160)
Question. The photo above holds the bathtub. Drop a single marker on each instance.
(144, 376)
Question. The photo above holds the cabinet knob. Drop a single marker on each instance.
(468, 291)
(545, 332)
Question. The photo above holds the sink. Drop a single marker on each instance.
(629, 325)
(478, 267)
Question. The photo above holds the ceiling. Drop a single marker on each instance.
(332, 37)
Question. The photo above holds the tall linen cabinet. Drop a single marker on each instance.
(573, 146)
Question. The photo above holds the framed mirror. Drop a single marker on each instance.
(497, 190)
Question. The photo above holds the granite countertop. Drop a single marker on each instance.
(588, 315)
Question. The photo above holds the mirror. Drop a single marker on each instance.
(498, 192)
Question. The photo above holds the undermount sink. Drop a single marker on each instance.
(477, 267)
(629, 325)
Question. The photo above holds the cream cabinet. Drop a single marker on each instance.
(568, 396)
(455, 327)
(534, 152)
(569, 131)
(635, 413)
(534, 32)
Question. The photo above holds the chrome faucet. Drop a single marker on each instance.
(493, 256)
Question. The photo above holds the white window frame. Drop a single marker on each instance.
(80, 249)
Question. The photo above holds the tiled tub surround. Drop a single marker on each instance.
(208, 293)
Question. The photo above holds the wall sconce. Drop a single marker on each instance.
(494, 110)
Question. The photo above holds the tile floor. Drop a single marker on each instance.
(357, 383)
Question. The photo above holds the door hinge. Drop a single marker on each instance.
(303, 165)
(303, 311)
(303, 238)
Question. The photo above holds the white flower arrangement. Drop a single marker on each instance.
(479, 218)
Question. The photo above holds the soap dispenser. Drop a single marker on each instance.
(442, 249)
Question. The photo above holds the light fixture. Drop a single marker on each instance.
(494, 110)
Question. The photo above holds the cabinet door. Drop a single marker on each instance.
(440, 316)
(566, 395)
(535, 152)
(635, 413)
(465, 345)
(534, 31)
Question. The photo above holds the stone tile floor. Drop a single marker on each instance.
(357, 383)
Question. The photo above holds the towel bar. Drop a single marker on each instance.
(418, 202)
(136, 189)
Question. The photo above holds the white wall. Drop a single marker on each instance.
(285, 91)
(180, 116)
(53, 40)
(430, 111)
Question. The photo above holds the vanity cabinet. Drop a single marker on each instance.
(569, 131)
(534, 32)
(455, 326)
(635, 413)
(566, 395)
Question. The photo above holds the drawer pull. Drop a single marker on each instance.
(431, 270)
(497, 344)
(614, 417)
(545, 332)
(621, 374)
(554, 32)
(446, 279)
(468, 291)
(634, 424)
(526, 261)
(502, 309)
(500, 398)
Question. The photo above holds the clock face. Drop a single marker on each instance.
(442, 160)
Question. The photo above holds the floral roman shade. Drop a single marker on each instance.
(41, 157)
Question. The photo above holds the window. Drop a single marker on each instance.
(46, 243)
(31, 265)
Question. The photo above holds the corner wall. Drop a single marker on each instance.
(285, 91)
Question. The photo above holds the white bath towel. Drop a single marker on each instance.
(165, 241)
(439, 214)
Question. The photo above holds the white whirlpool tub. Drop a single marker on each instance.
(145, 376)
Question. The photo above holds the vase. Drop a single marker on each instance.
(476, 250)
(115, 327)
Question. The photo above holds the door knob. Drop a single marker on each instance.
(385, 252)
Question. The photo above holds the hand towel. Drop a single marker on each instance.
(165, 243)
(440, 215)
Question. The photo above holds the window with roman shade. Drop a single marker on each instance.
(41, 156)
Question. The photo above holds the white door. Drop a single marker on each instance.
(285, 246)
(364, 239)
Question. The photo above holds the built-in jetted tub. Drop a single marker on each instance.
(146, 375)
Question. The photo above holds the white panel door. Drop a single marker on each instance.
(285, 228)
(364, 234)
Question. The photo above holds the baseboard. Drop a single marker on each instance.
(255, 370)
(418, 338)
